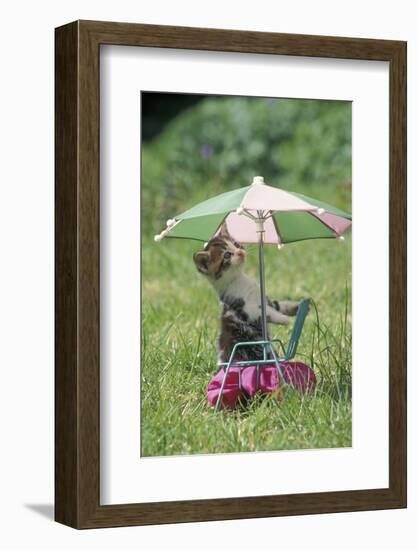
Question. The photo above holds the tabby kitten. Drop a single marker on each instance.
(221, 262)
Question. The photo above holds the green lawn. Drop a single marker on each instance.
(180, 314)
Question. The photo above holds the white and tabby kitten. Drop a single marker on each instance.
(221, 262)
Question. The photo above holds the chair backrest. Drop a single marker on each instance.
(298, 328)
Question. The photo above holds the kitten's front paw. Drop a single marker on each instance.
(289, 308)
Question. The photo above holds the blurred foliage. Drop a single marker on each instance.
(222, 142)
(159, 108)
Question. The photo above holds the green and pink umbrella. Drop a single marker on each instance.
(262, 214)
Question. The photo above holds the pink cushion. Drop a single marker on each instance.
(296, 374)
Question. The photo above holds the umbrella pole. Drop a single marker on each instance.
(261, 232)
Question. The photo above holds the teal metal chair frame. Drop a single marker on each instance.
(287, 354)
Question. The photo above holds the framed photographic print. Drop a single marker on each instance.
(230, 274)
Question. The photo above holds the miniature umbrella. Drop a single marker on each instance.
(259, 213)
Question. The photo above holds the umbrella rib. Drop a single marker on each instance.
(165, 232)
(248, 214)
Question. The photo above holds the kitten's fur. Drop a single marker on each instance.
(221, 262)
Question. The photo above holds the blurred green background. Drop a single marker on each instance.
(194, 147)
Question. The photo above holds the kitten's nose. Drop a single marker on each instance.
(241, 253)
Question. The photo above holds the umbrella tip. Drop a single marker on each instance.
(258, 179)
(157, 238)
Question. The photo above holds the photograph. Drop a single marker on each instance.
(246, 274)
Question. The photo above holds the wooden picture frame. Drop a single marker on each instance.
(77, 372)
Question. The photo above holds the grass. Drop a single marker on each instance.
(180, 315)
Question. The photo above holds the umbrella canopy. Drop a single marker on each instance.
(286, 217)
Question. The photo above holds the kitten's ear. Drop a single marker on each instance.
(224, 232)
(201, 260)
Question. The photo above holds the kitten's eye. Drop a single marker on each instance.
(227, 255)
(237, 245)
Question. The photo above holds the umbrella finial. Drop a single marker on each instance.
(258, 179)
